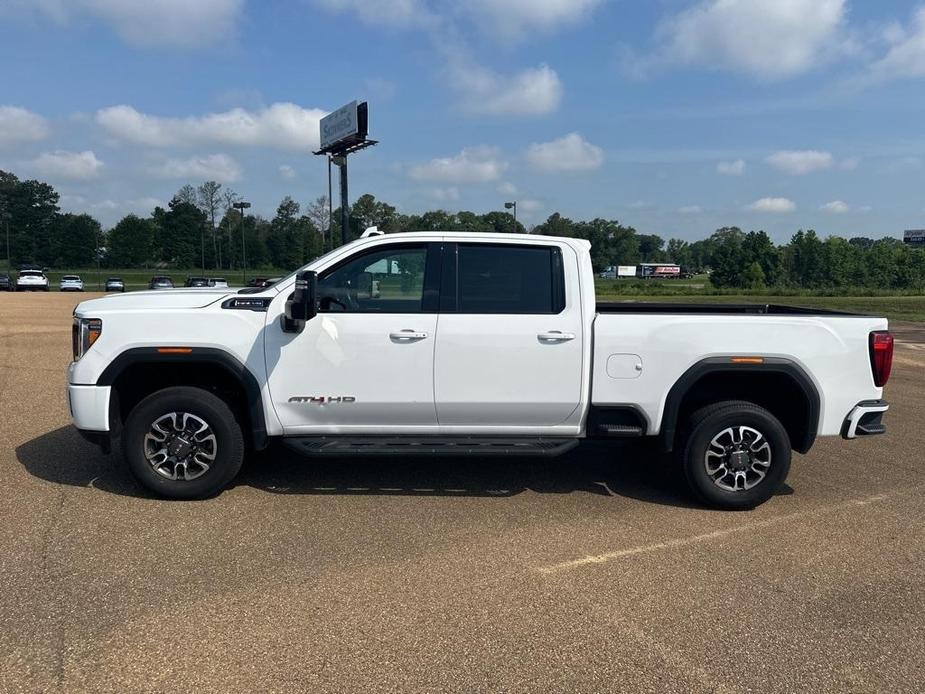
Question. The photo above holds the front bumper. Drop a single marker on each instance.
(89, 407)
(865, 419)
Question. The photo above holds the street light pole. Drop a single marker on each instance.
(243, 206)
(509, 205)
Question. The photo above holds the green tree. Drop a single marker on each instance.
(131, 242)
(76, 239)
(649, 246)
(179, 230)
(728, 259)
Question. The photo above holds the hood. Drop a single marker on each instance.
(162, 299)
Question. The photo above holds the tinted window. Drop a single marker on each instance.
(507, 279)
(390, 280)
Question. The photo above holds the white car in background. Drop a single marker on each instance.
(71, 283)
(31, 280)
(218, 282)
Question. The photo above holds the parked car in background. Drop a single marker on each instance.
(219, 282)
(71, 283)
(31, 280)
(196, 282)
(160, 282)
(6, 283)
(115, 284)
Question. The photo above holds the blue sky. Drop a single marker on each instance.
(674, 116)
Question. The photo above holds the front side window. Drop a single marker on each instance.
(509, 279)
(390, 280)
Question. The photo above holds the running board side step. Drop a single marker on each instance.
(424, 445)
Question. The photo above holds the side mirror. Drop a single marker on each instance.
(303, 306)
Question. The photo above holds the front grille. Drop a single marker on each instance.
(75, 339)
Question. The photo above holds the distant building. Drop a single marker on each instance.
(914, 237)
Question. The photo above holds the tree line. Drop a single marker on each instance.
(200, 227)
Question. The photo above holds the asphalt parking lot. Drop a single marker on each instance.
(581, 574)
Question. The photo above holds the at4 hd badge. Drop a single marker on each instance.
(323, 399)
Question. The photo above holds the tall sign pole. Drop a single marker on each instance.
(343, 132)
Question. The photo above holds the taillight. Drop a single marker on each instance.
(881, 356)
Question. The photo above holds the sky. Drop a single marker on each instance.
(673, 116)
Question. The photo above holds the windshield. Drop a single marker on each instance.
(313, 264)
(30, 273)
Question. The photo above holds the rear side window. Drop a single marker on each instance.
(494, 278)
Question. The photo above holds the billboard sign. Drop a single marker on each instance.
(915, 237)
(344, 127)
(626, 270)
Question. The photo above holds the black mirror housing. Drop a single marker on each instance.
(303, 305)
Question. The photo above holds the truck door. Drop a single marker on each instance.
(364, 364)
(509, 344)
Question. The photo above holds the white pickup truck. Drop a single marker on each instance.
(447, 343)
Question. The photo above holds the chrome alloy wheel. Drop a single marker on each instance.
(180, 446)
(738, 458)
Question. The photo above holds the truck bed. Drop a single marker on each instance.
(715, 309)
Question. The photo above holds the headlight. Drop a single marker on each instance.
(85, 332)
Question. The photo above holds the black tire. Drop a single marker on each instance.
(711, 422)
(229, 442)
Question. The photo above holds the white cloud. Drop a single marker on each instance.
(770, 39)
(778, 205)
(472, 165)
(532, 92)
(287, 172)
(849, 163)
(507, 188)
(800, 162)
(515, 17)
(450, 194)
(691, 209)
(19, 125)
(503, 18)
(906, 55)
(836, 207)
(731, 168)
(283, 126)
(187, 23)
(402, 13)
(528, 206)
(63, 164)
(218, 167)
(567, 154)
(864, 209)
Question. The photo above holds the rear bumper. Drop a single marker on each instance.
(865, 419)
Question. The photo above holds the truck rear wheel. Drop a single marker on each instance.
(736, 455)
(183, 443)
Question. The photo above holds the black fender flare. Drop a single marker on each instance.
(197, 355)
(712, 365)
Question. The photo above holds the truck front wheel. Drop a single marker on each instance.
(736, 455)
(183, 443)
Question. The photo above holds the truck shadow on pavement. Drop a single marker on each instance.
(635, 472)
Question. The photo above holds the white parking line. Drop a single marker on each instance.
(706, 537)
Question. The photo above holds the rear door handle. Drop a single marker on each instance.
(407, 336)
(556, 336)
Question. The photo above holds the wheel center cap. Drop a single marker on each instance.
(178, 448)
(738, 460)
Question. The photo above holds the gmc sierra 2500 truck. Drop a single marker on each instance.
(448, 343)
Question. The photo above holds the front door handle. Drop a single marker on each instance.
(407, 336)
(555, 336)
